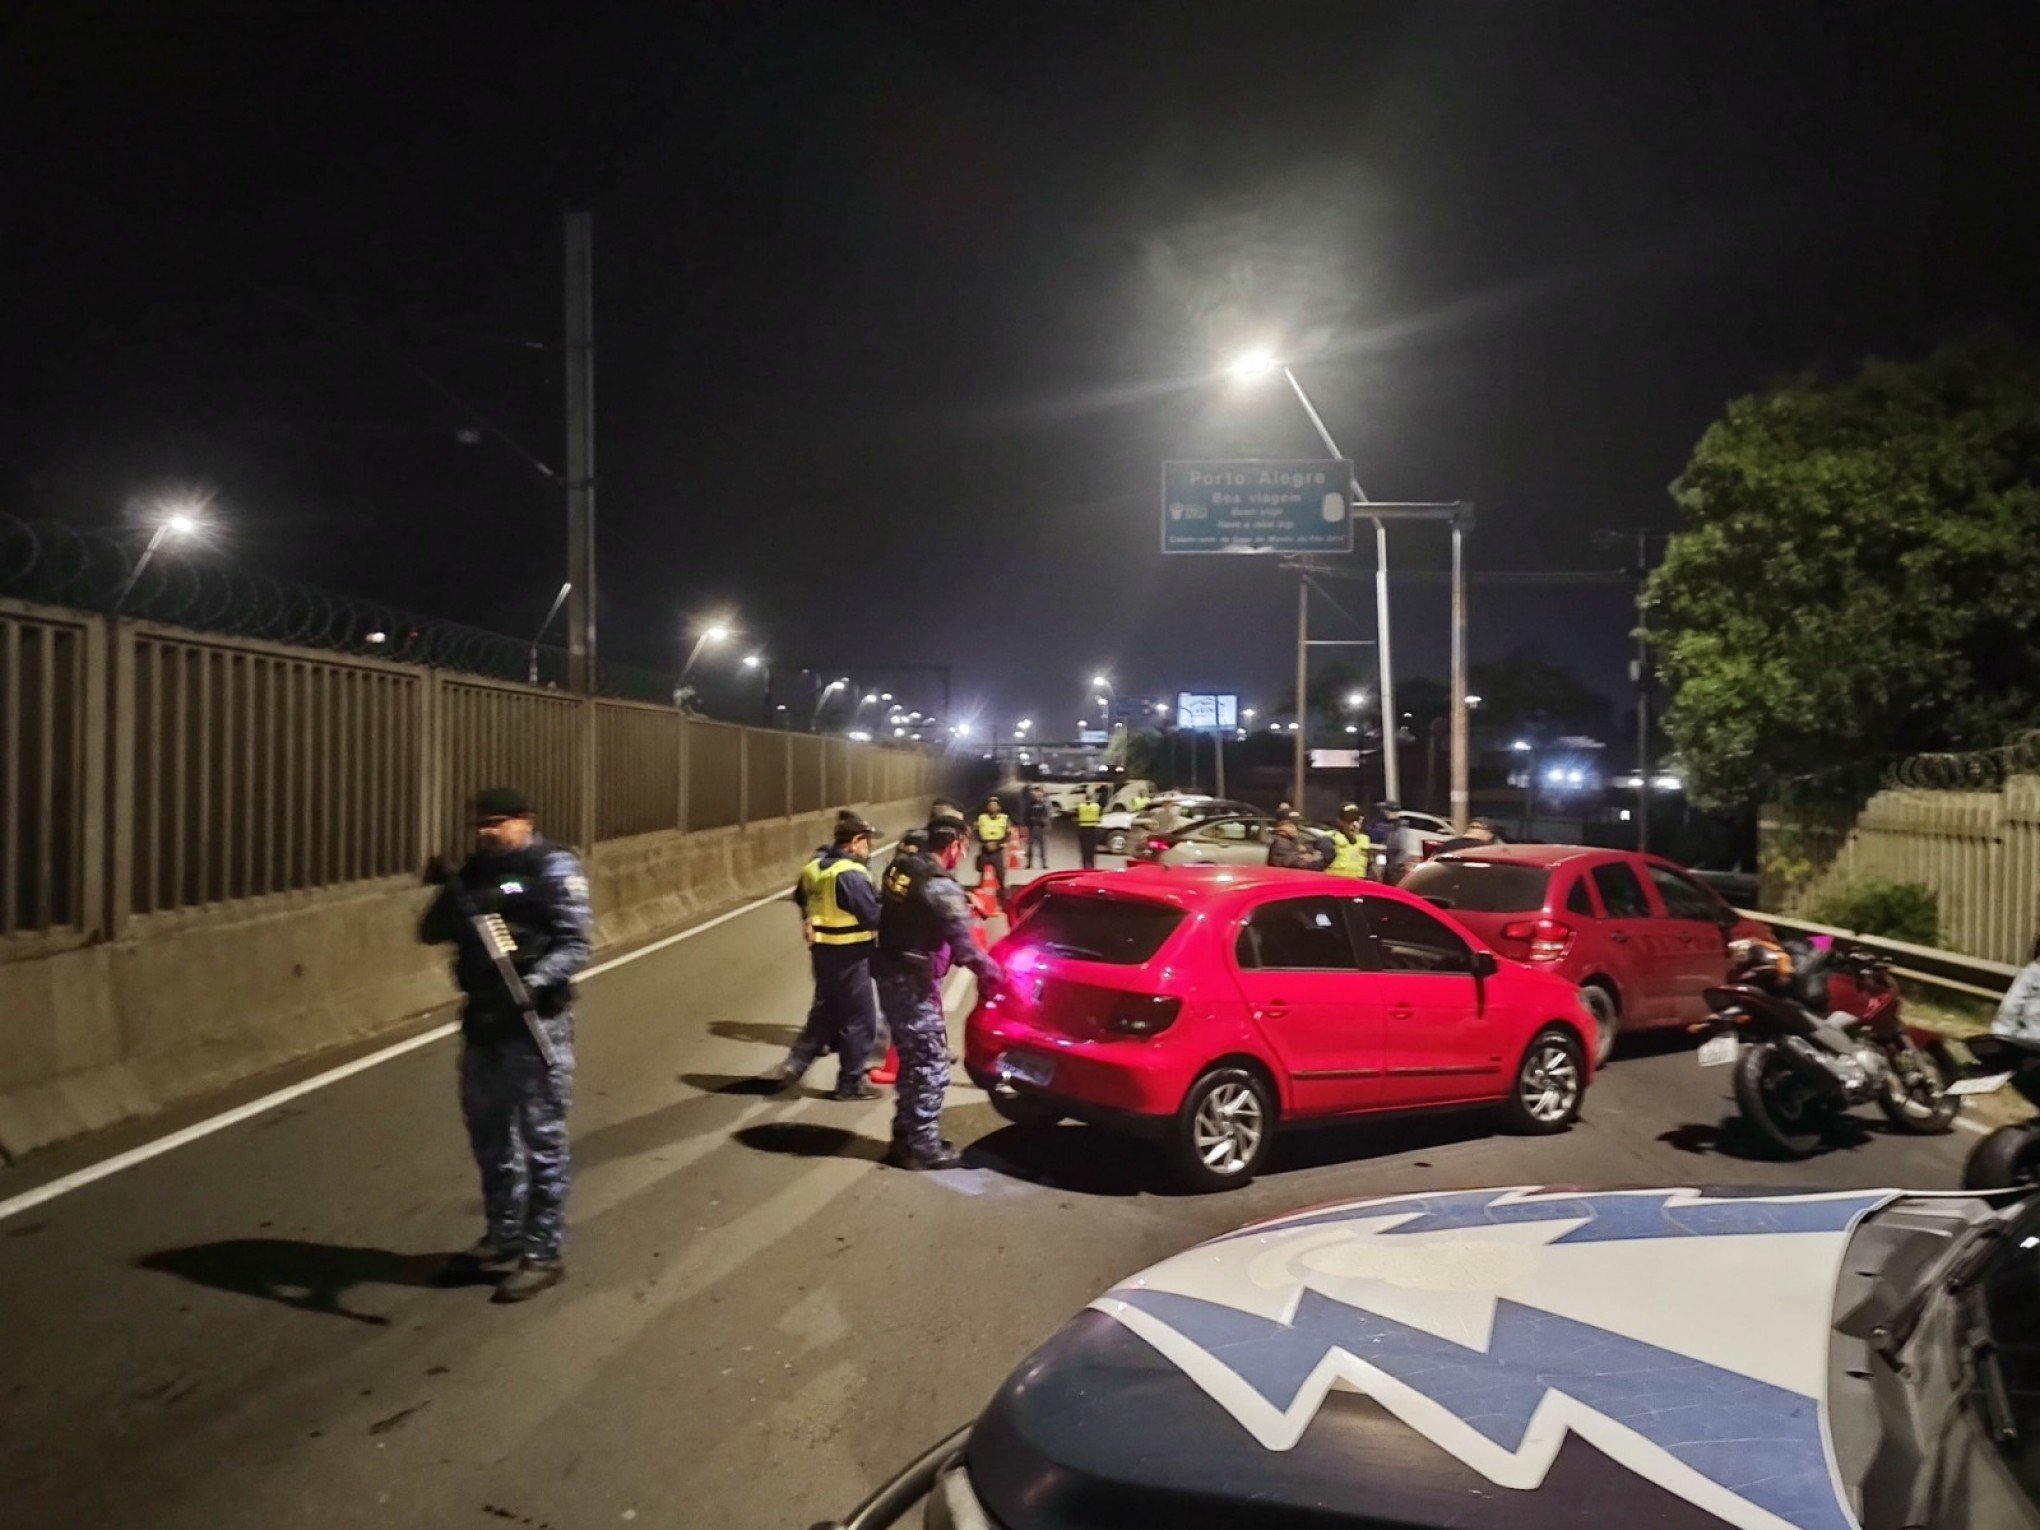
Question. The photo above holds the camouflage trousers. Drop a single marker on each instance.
(911, 999)
(516, 1112)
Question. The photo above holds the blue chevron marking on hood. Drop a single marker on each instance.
(1609, 1216)
(1760, 1442)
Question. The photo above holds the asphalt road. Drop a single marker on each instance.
(760, 1323)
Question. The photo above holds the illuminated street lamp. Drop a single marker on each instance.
(716, 631)
(1254, 366)
(754, 661)
(176, 521)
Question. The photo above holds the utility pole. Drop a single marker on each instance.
(1639, 672)
(1462, 799)
(1302, 676)
(580, 283)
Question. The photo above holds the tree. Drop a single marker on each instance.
(1857, 577)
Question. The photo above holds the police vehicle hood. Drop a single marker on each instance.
(1518, 1359)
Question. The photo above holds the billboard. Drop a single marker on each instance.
(1258, 505)
(1207, 711)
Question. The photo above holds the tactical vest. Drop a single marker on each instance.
(514, 887)
(833, 924)
(1088, 814)
(908, 925)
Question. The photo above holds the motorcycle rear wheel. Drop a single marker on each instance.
(2009, 1157)
(1778, 1104)
(1923, 1106)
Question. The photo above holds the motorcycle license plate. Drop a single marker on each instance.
(1718, 1051)
(1027, 1068)
(1990, 1083)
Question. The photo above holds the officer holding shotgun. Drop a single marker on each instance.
(517, 916)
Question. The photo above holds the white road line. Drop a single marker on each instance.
(1974, 1126)
(77, 1180)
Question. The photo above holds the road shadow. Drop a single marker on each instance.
(313, 1277)
(804, 1139)
(1095, 1161)
(1070, 1157)
(738, 1084)
(747, 1030)
(1734, 1137)
(1657, 1042)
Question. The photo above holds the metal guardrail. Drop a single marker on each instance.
(1971, 975)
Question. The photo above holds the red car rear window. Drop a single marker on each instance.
(1480, 887)
(1115, 930)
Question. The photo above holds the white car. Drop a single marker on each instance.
(1167, 815)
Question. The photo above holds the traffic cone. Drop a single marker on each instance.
(1013, 851)
(887, 1072)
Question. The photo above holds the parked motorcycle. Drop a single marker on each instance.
(2009, 1156)
(1814, 1032)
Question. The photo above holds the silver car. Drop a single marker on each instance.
(1241, 841)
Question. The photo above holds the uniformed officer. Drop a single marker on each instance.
(1287, 848)
(1352, 850)
(993, 828)
(1039, 816)
(1089, 811)
(839, 917)
(515, 1102)
(924, 927)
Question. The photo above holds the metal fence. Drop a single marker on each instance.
(1978, 852)
(47, 694)
(147, 770)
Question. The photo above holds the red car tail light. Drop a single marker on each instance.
(1143, 1014)
(1549, 939)
(1156, 844)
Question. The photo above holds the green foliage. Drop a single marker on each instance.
(1896, 910)
(1858, 576)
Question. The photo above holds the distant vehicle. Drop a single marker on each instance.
(1642, 938)
(1417, 838)
(1170, 813)
(1063, 796)
(1214, 842)
(1557, 1359)
(1201, 1007)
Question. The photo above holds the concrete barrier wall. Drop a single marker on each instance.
(189, 1001)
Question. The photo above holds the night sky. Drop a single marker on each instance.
(901, 307)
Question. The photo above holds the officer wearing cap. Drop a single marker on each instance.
(1287, 848)
(923, 928)
(839, 916)
(515, 1102)
(1352, 850)
(993, 829)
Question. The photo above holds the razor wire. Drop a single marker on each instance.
(86, 569)
(1969, 770)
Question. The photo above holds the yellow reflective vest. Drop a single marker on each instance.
(993, 828)
(1088, 814)
(1351, 854)
(833, 924)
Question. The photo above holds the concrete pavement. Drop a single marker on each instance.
(761, 1322)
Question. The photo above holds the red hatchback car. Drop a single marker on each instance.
(1201, 1006)
(1642, 938)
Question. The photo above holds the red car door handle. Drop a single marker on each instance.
(1401, 1012)
(1618, 937)
(1274, 1009)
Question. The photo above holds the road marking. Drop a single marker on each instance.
(29, 1199)
(1974, 1126)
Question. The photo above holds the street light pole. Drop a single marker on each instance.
(1302, 673)
(1390, 722)
(1462, 798)
(580, 370)
(135, 573)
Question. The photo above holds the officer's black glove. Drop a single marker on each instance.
(550, 1000)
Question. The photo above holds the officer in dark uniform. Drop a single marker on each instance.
(924, 927)
(515, 1102)
(839, 915)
